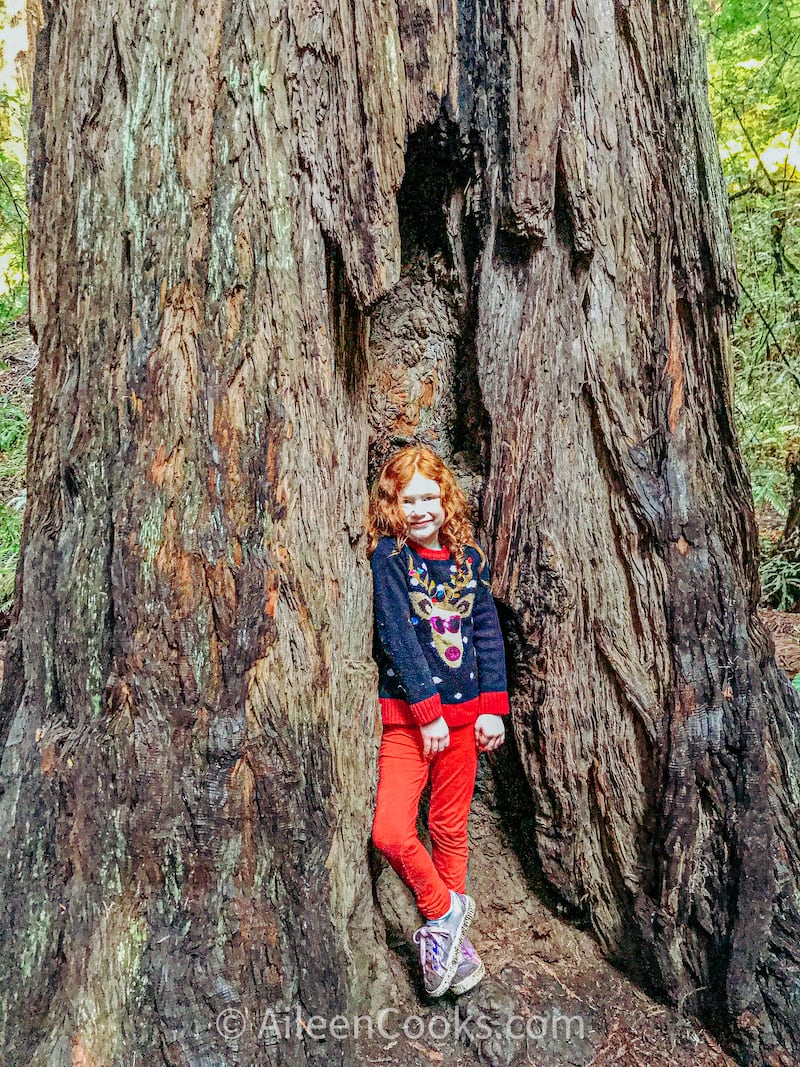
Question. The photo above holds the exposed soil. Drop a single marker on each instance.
(785, 629)
(20, 355)
(770, 522)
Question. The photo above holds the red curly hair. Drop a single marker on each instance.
(386, 518)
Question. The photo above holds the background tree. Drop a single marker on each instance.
(262, 239)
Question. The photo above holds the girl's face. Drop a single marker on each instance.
(421, 501)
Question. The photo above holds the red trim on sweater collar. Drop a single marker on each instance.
(428, 553)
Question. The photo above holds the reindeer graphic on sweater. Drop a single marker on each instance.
(444, 606)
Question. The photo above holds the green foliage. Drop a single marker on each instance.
(14, 115)
(754, 67)
(13, 424)
(766, 343)
(754, 89)
(780, 580)
(10, 533)
(13, 450)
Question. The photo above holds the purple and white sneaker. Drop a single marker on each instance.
(440, 944)
(470, 969)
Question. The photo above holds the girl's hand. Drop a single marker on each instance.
(490, 732)
(435, 737)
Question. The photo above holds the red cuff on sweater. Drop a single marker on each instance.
(427, 710)
(493, 704)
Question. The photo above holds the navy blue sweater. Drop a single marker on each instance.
(437, 641)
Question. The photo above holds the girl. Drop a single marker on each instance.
(442, 692)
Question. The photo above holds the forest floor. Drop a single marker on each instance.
(550, 999)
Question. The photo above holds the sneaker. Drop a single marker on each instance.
(440, 944)
(470, 969)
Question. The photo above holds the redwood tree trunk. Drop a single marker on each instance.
(218, 229)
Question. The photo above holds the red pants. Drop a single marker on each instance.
(403, 776)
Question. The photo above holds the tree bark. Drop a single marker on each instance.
(269, 243)
(190, 689)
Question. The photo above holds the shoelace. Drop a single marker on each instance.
(429, 948)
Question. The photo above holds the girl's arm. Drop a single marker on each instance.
(489, 649)
(397, 635)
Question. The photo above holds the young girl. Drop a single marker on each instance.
(442, 692)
